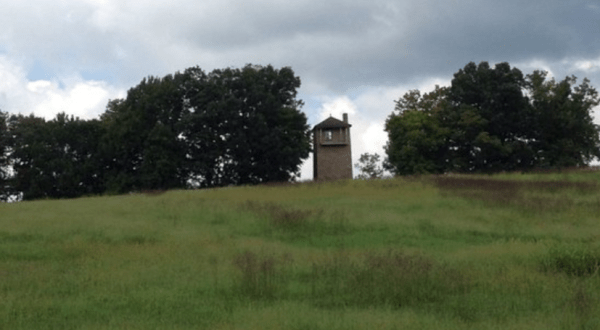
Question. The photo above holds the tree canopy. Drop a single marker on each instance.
(54, 159)
(187, 129)
(228, 127)
(247, 127)
(493, 119)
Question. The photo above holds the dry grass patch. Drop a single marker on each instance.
(543, 196)
(392, 279)
(295, 222)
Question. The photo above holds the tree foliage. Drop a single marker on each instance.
(257, 131)
(416, 137)
(55, 159)
(564, 133)
(141, 147)
(493, 119)
(188, 129)
(228, 127)
(368, 166)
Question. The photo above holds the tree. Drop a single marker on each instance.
(246, 127)
(565, 134)
(55, 159)
(489, 118)
(368, 165)
(493, 119)
(417, 141)
(229, 127)
(142, 148)
(4, 159)
(78, 164)
(31, 154)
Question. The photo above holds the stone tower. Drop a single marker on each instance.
(332, 154)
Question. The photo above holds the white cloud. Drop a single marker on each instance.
(587, 66)
(73, 95)
(336, 107)
(306, 169)
(374, 138)
(84, 99)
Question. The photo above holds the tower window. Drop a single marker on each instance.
(328, 135)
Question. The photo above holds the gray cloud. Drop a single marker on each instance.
(342, 44)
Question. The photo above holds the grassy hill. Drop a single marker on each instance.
(509, 251)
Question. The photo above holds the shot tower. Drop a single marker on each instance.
(332, 149)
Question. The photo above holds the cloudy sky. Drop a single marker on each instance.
(352, 56)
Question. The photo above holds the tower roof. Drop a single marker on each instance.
(332, 123)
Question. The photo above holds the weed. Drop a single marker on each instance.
(139, 239)
(529, 195)
(509, 186)
(299, 223)
(153, 192)
(280, 217)
(18, 237)
(394, 280)
(573, 260)
(583, 304)
(260, 278)
(581, 300)
(168, 213)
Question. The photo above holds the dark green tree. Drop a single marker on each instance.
(229, 127)
(78, 164)
(32, 152)
(489, 119)
(493, 119)
(246, 127)
(564, 134)
(417, 141)
(142, 148)
(55, 159)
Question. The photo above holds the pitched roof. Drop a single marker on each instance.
(331, 123)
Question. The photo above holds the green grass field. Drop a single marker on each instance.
(510, 251)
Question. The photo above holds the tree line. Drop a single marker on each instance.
(187, 129)
(493, 119)
(245, 126)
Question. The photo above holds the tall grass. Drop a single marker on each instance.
(451, 252)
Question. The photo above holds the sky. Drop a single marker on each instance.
(352, 56)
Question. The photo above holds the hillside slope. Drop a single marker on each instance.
(509, 251)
